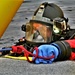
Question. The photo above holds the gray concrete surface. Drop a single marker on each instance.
(19, 67)
(13, 32)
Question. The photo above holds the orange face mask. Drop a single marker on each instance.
(36, 25)
(39, 31)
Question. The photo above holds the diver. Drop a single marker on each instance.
(47, 25)
(48, 37)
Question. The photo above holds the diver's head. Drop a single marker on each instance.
(41, 28)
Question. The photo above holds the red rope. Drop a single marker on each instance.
(21, 49)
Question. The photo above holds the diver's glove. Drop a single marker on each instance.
(60, 49)
(46, 51)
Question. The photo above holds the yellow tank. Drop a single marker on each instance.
(8, 9)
